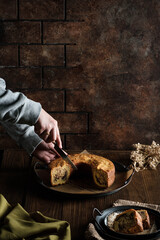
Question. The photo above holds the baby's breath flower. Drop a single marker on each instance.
(145, 156)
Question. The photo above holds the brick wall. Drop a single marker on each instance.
(93, 65)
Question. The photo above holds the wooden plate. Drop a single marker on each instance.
(83, 185)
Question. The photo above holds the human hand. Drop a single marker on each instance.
(45, 152)
(47, 128)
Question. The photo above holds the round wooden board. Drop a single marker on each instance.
(83, 185)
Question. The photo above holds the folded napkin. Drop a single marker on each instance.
(92, 234)
(16, 223)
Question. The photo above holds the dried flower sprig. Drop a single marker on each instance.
(145, 156)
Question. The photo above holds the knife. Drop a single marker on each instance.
(64, 156)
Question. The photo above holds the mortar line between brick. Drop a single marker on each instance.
(78, 112)
(30, 44)
(80, 133)
(18, 10)
(65, 10)
(20, 67)
(31, 66)
(39, 20)
(65, 56)
(38, 66)
(34, 66)
(44, 67)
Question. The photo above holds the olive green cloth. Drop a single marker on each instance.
(16, 223)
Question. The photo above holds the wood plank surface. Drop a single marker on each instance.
(14, 175)
(40, 199)
(15, 159)
(18, 184)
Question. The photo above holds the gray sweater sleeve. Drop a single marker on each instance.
(18, 114)
(24, 135)
(16, 107)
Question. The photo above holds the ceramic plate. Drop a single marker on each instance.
(103, 226)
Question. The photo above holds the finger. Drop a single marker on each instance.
(52, 136)
(55, 137)
(49, 156)
(47, 161)
(52, 149)
(53, 155)
(39, 130)
(45, 135)
(58, 139)
(51, 146)
(44, 157)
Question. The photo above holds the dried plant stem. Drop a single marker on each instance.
(145, 156)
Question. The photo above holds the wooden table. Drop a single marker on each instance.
(18, 184)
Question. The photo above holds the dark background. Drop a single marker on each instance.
(93, 65)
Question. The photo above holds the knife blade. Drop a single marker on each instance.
(64, 156)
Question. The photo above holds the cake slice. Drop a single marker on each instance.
(129, 222)
(145, 218)
(60, 172)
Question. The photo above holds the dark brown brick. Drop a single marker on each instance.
(146, 103)
(9, 55)
(112, 128)
(62, 32)
(99, 92)
(71, 122)
(83, 142)
(78, 100)
(118, 132)
(20, 32)
(8, 9)
(74, 56)
(20, 78)
(98, 50)
(110, 112)
(69, 78)
(51, 100)
(37, 9)
(121, 119)
(78, 9)
(42, 55)
(82, 10)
